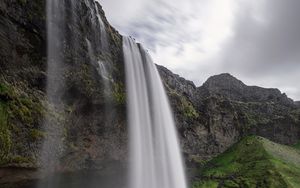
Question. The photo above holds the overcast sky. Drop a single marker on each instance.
(257, 41)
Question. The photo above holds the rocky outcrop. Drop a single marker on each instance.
(228, 86)
(175, 82)
(223, 110)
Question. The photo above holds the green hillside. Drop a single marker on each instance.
(253, 162)
(297, 145)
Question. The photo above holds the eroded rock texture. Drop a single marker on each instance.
(212, 117)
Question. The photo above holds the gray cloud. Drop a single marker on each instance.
(266, 50)
(257, 41)
(273, 42)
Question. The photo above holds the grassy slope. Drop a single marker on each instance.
(297, 145)
(253, 162)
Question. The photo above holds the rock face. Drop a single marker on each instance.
(212, 117)
(94, 125)
(209, 118)
(228, 86)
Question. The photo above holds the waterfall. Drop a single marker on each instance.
(63, 29)
(53, 127)
(155, 159)
(55, 83)
(98, 27)
(101, 45)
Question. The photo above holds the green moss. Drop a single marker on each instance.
(118, 92)
(3, 88)
(198, 160)
(6, 91)
(186, 107)
(20, 114)
(36, 134)
(252, 118)
(205, 184)
(255, 162)
(22, 2)
(297, 145)
(25, 109)
(5, 135)
(231, 184)
(20, 106)
(19, 160)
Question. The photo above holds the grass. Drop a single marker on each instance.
(208, 183)
(297, 145)
(253, 162)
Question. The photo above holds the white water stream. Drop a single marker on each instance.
(155, 159)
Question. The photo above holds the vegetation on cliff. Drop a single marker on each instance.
(20, 116)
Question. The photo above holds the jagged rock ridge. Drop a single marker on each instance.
(223, 110)
(228, 86)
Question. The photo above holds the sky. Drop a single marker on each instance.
(257, 41)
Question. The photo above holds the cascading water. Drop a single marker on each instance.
(101, 44)
(64, 48)
(53, 144)
(156, 160)
(98, 27)
(55, 25)
(101, 48)
(155, 155)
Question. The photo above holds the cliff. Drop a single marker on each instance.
(217, 114)
(90, 141)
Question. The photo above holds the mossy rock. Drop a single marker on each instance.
(185, 107)
(119, 93)
(5, 135)
(21, 114)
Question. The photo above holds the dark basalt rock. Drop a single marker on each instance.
(174, 81)
(228, 110)
(228, 86)
(93, 138)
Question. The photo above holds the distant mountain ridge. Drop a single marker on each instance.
(228, 86)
